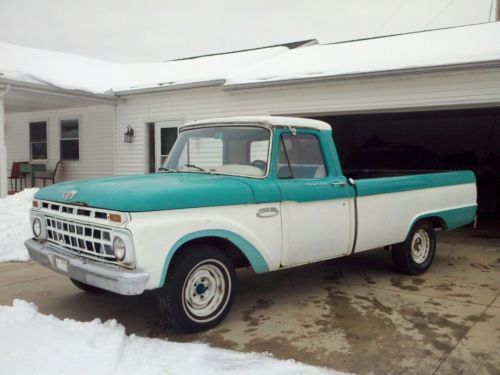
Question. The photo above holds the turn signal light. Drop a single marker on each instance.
(35, 204)
(115, 217)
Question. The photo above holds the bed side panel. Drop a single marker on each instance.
(385, 217)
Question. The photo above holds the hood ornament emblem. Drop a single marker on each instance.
(69, 194)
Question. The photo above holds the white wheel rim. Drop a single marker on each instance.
(420, 246)
(206, 290)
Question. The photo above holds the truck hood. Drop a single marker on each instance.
(152, 192)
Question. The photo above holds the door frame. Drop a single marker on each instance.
(157, 126)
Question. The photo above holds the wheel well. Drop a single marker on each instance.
(436, 221)
(236, 256)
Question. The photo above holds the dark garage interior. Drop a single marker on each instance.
(427, 141)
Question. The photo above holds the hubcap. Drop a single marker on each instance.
(205, 290)
(420, 246)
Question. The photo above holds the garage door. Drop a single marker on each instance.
(435, 140)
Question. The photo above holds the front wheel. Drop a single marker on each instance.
(415, 255)
(199, 289)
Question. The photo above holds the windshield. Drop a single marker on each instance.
(236, 150)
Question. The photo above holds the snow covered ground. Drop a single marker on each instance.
(15, 225)
(31, 342)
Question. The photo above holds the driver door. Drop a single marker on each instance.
(317, 205)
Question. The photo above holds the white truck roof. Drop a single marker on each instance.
(295, 122)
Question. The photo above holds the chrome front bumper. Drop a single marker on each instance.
(101, 275)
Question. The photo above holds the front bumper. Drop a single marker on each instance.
(101, 275)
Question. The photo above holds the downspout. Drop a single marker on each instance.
(494, 11)
(3, 147)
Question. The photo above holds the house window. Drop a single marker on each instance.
(38, 140)
(70, 139)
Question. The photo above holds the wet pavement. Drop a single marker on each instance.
(355, 314)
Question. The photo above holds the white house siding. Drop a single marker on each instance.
(96, 140)
(465, 88)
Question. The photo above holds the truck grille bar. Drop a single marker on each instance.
(84, 239)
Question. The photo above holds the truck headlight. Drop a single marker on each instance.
(119, 248)
(37, 227)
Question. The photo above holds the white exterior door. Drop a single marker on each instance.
(166, 133)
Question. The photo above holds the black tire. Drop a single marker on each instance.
(206, 272)
(87, 288)
(416, 260)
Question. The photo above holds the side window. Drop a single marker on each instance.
(300, 156)
(38, 140)
(70, 139)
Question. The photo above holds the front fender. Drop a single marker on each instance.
(257, 261)
(159, 234)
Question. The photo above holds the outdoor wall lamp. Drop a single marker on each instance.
(128, 135)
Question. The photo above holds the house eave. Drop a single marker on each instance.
(376, 74)
(56, 91)
(173, 87)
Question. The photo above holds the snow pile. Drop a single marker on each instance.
(33, 343)
(70, 71)
(15, 225)
(425, 49)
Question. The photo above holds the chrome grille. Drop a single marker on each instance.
(81, 238)
(70, 209)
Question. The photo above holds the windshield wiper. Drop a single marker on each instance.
(195, 166)
(166, 169)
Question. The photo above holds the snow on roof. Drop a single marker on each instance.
(75, 72)
(271, 120)
(460, 45)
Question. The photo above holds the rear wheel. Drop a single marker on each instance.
(415, 255)
(199, 289)
(87, 288)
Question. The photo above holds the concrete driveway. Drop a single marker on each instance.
(354, 314)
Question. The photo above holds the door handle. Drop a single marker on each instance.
(338, 184)
(267, 212)
(316, 183)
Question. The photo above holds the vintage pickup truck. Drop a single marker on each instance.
(260, 192)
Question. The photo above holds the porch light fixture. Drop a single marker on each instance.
(128, 135)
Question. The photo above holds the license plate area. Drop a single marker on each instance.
(61, 264)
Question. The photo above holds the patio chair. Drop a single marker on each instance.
(15, 174)
(47, 175)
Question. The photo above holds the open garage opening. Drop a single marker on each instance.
(427, 141)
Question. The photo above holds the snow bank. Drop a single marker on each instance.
(33, 343)
(15, 225)
(70, 71)
(425, 49)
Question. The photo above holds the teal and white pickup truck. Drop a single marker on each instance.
(260, 192)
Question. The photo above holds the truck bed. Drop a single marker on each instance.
(387, 207)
